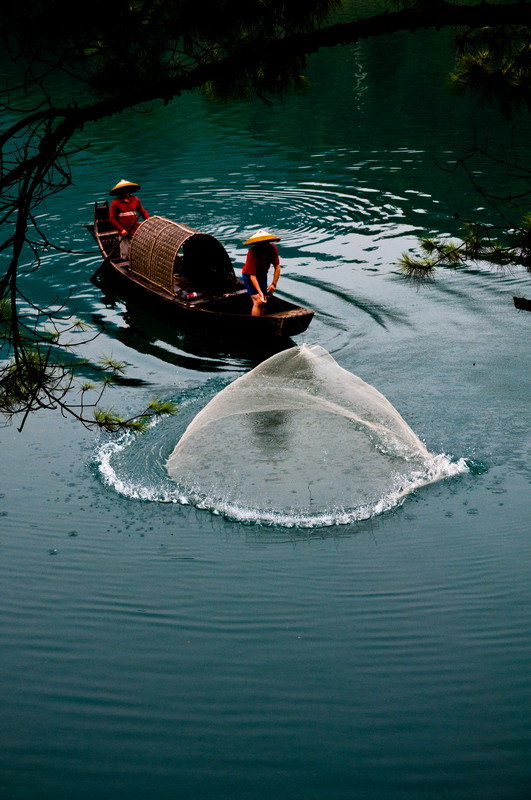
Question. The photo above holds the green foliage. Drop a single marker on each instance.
(523, 238)
(38, 376)
(134, 44)
(109, 363)
(495, 64)
(24, 379)
(276, 80)
(445, 251)
(416, 267)
(162, 407)
(6, 317)
(110, 421)
(476, 243)
(437, 253)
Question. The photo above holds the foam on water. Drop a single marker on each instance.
(298, 441)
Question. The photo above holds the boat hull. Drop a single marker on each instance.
(276, 323)
(226, 310)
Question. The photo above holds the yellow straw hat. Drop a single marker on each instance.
(121, 185)
(262, 236)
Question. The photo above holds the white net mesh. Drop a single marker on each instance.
(298, 438)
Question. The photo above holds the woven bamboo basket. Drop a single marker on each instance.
(160, 247)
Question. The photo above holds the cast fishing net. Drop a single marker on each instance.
(300, 440)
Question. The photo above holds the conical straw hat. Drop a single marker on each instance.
(124, 185)
(262, 236)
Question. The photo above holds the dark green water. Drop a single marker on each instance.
(154, 650)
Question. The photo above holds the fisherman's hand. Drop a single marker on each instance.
(271, 288)
(124, 232)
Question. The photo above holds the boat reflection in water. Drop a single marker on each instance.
(175, 339)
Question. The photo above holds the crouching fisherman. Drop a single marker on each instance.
(261, 255)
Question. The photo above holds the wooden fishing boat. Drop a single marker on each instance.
(183, 270)
(523, 303)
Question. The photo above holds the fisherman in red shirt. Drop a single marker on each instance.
(124, 212)
(261, 255)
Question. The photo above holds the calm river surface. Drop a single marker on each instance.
(152, 650)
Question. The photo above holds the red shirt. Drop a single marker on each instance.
(124, 213)
(259, 258)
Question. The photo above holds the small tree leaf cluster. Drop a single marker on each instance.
(495, 64)
(477, 243)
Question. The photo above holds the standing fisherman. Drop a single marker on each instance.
(124, 212)
(261, 255)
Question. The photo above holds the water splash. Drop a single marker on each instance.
(299, 441)
(296, 442)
